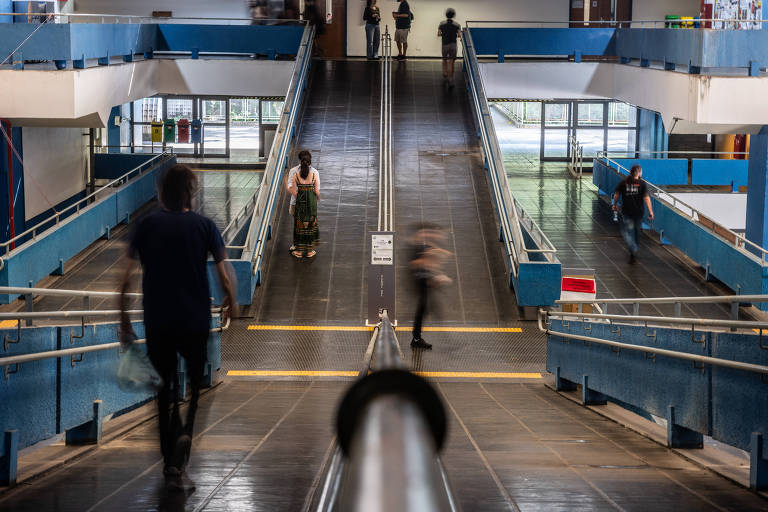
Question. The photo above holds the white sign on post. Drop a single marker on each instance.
(382, 250)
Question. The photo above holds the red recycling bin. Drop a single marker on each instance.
(183, 130)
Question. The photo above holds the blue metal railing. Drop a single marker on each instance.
(261, 208)
(531, 258)
(706, 377)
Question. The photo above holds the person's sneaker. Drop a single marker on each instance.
(420, 343)
(173, 480)
(632, 259)
(181, 452)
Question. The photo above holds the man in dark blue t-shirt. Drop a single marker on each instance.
(173, 245)
(403, 17)
(449, 31)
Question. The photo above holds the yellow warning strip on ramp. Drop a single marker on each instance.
(363, 328)
(345, 373)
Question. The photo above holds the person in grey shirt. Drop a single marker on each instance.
(449, 31)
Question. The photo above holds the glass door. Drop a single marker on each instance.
(214, 114)
(555, 129)
(244, 127)
(590, 127)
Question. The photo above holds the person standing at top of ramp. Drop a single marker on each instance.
(449, 31)
(634, 194)
(173, 244)
(403, 18)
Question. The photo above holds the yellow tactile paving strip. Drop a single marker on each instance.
(370, 328)
(345, 373)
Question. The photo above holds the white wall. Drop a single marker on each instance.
(657, 9)
(190, 8)
(55, 166)
(423, 40)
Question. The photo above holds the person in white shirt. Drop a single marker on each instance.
(303, 155)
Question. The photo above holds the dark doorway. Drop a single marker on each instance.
(330, 43)
(599, 10)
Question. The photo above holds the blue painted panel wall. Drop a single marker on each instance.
(111, 166)
(629, 376)
(651, 135)
(234, 38)
(28, 398)
(48, 397)
(44, 216)
(739, 398)
(719, 172)
(660, 171)
(6, 6)
(85, 40)
(727, 404)
(543, 41)
(37, 259)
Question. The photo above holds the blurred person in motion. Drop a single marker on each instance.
(259, 10)
(634, 195)
(172, 244)
(449, 31)
(372, 17)
(426, 264)
(305, 188)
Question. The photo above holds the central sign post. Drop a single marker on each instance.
(381, 276)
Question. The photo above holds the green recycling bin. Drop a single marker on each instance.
(169, 131)
(672, 21)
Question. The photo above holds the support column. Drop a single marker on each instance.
(113, 131)
(757, 189)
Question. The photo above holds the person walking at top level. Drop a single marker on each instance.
(634, 195)
(372, 17)
(403, 18)
(449, 31)
(305, 187)
(173, 245)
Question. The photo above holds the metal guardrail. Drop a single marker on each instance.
(577, 157)
(651, 350)
(278, 156)
(512, 215)
(105, 19)
(736, 240)
(722, 23)
(32, 232)
(389, 420)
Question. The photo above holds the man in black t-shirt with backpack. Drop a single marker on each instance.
(634, 195)
(449, 31)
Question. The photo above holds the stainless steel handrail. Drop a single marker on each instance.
(278, 153)
(39, 356)
(55, 292)
(386, 219)
(577, 157)
(673, 152)
(629, 23)
(238, 221)
(653, 350)
(713, 299)
(77, 206)
(134, 18)
(514, 239)
(663, 196)
(392, 433)
(674, 320)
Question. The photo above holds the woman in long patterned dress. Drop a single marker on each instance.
(305, 187)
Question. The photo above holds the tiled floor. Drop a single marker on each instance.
(581, 226)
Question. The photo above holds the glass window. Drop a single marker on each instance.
(147, 110)
(215, 139)
(592, 140)
(244, 127)
(555, 143)
(622, 141)
(214, 111)
(590, 114)
(622, 115)
(556, 114)
(271, 111)
(179, 109)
